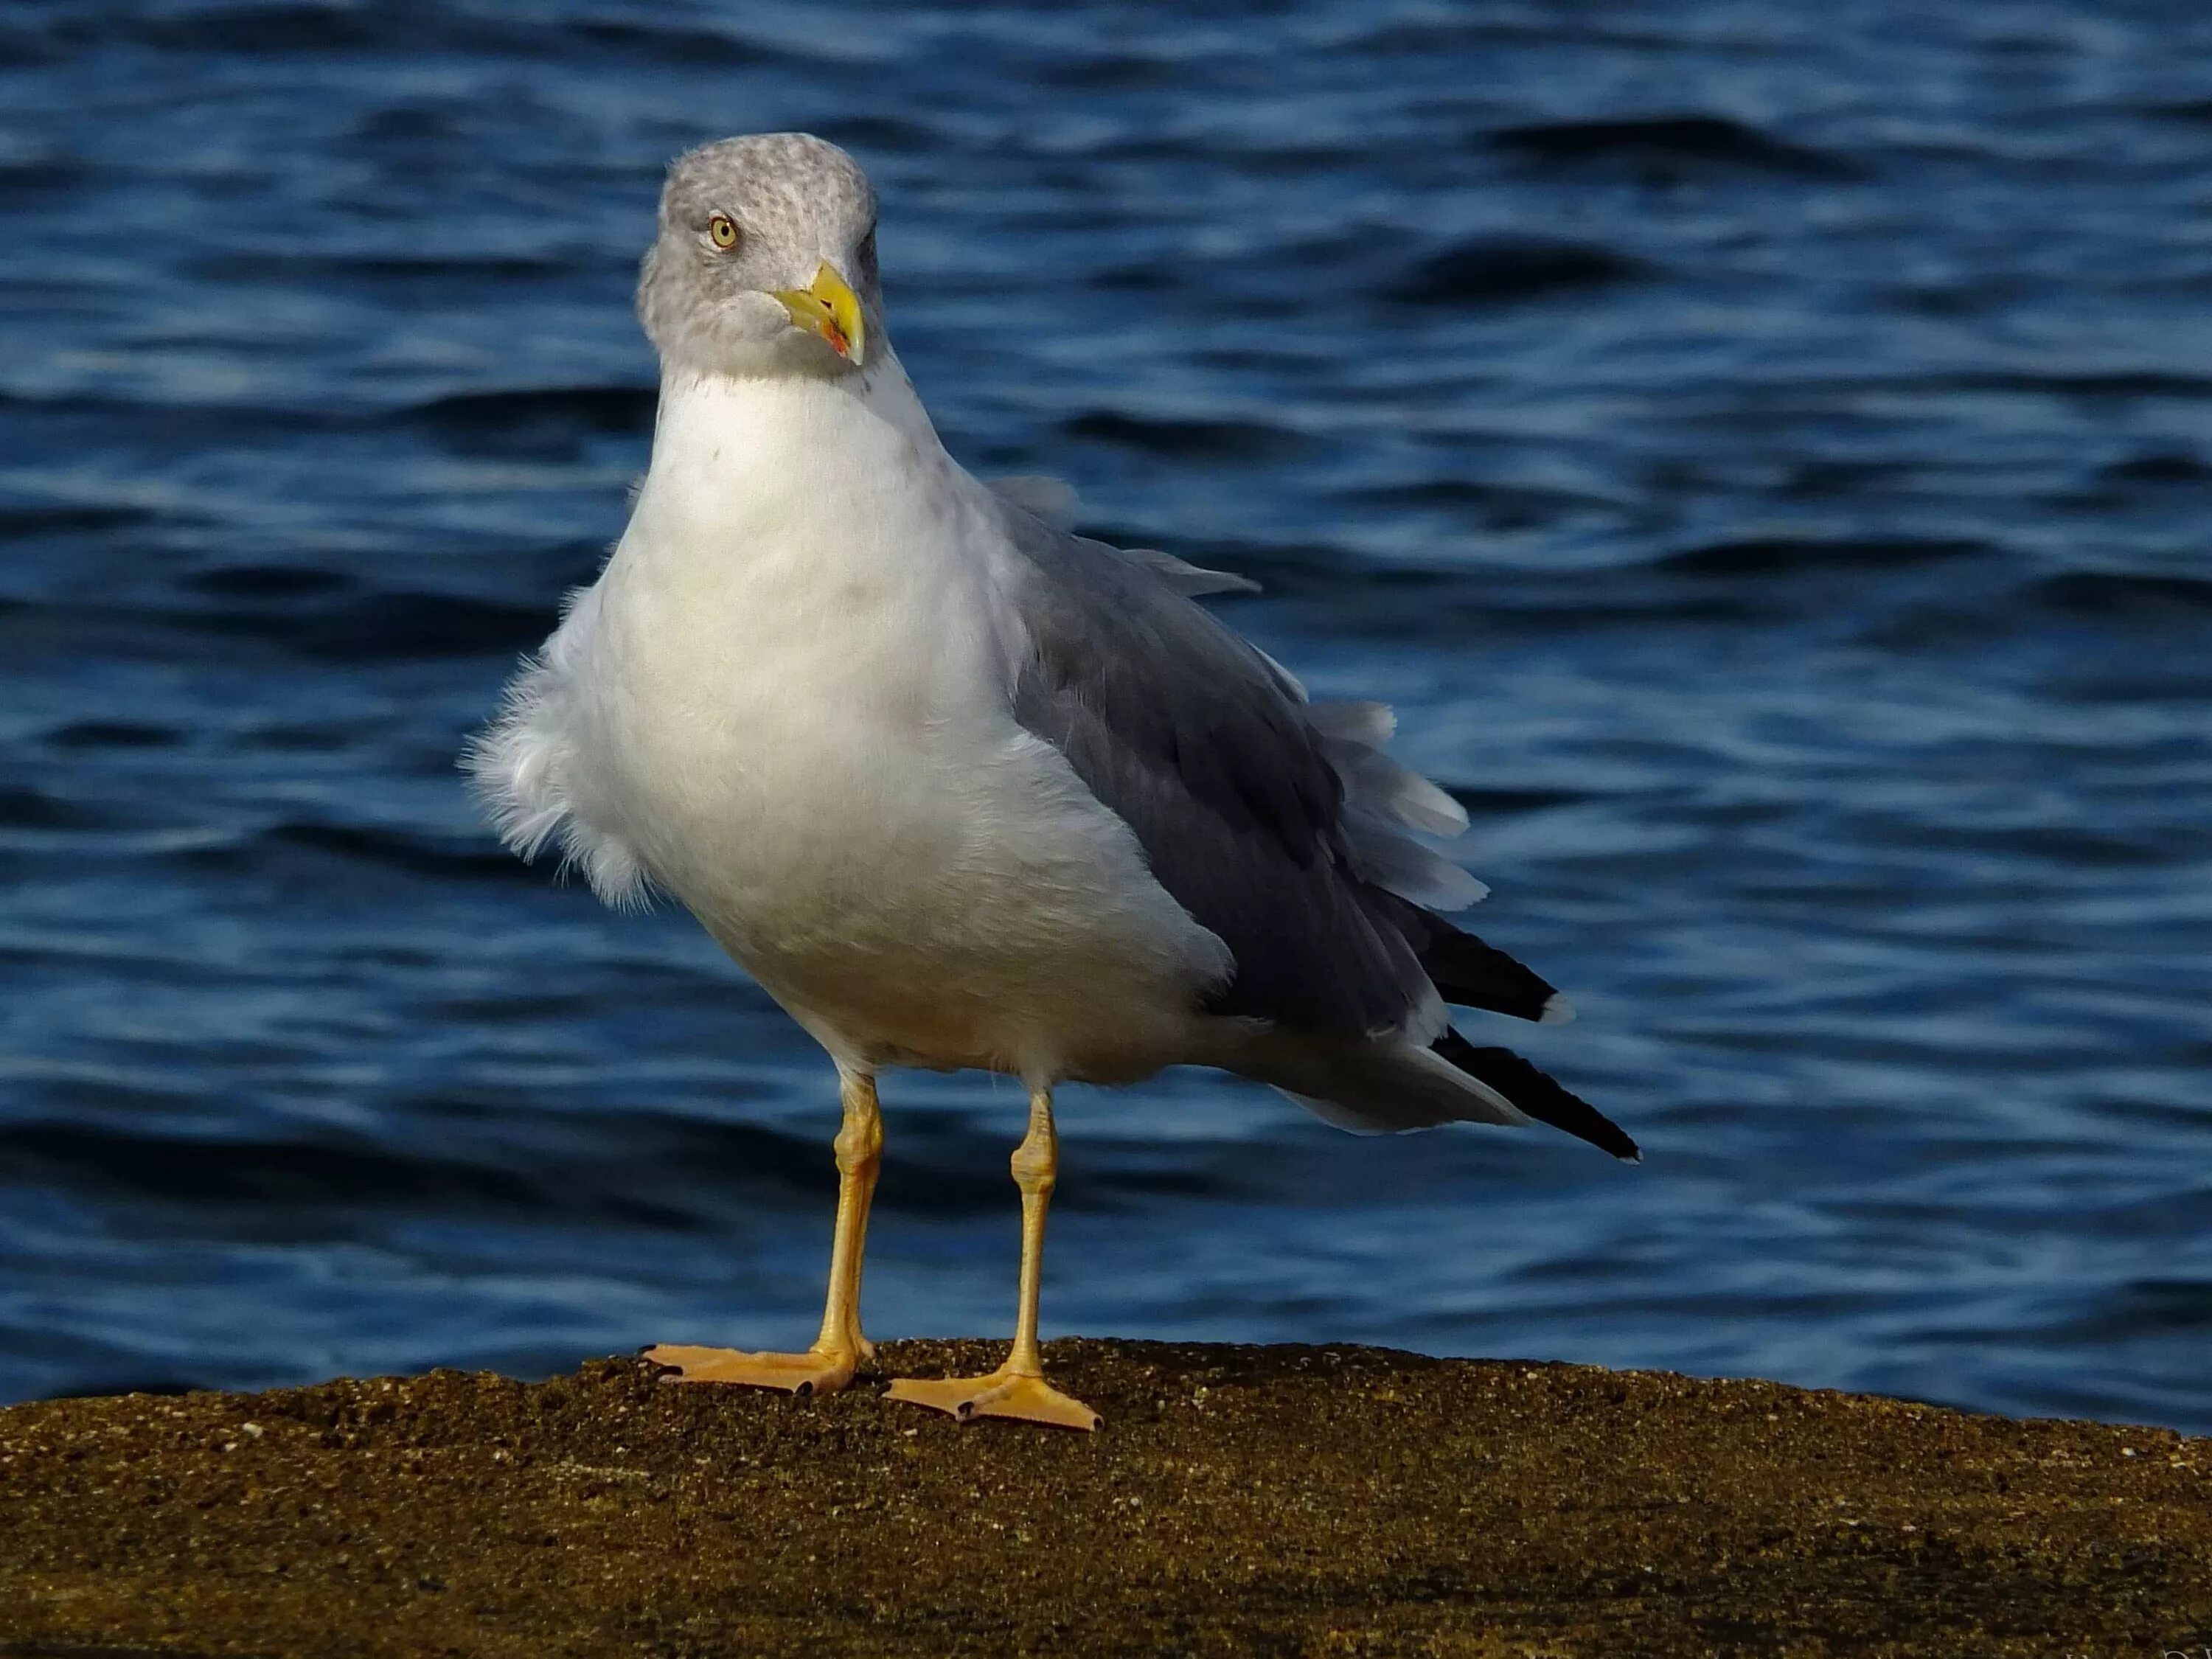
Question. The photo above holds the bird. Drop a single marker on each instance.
(959, 787)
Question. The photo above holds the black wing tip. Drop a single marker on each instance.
(1539, 1095)
(1474, 973)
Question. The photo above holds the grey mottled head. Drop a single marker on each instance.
(765, 262)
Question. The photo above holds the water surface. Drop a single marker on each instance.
(1764, 451)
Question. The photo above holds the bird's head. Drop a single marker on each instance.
(765, 261)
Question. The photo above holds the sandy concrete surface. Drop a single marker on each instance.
(1274, 1500)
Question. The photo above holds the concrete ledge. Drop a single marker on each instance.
(1339, 1501)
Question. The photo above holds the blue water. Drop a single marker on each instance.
(1764, 451)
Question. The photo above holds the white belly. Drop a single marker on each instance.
(791, 710)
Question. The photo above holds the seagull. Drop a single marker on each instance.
(959, 787)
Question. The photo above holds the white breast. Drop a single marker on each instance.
(786, 701)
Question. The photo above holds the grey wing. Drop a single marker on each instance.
(1207, 750)
(1265, 816)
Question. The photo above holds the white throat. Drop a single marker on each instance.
(870, 407)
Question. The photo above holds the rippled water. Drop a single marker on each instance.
(1765, 451)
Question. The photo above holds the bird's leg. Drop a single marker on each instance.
(1016, 1388)
(828, 1365)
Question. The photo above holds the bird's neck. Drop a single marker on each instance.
(768, 416)
(769, 465)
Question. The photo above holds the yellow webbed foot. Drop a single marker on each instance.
(818, 1371)
(1003, 1394)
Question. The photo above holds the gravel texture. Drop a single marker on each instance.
(1277, 1500)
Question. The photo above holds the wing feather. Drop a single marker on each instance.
(1204, 749)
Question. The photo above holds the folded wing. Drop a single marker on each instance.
(1281, 826)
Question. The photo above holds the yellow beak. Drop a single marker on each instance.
(830, 309)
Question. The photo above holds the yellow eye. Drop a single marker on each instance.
(723, 231)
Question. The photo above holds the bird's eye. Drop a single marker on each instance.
(723, 230)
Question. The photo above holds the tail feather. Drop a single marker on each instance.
(1473, 974)
(1505, 1073)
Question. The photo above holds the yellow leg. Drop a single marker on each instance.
(828, 1365)
(1016, 1388)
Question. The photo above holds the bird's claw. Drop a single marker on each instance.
(1026, 1398)
(818, 1371)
